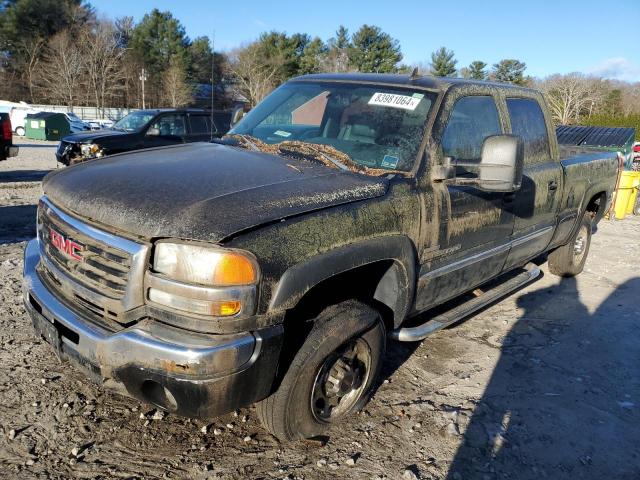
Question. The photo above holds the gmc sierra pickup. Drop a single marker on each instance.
(273, 265)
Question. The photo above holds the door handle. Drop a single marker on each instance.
(553, 185)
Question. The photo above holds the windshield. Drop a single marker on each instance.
(134, 121)
(377, 127)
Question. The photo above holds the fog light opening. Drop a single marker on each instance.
(157, 395)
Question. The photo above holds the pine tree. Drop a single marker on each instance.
(476, 70)
(509, 71)
(374, 51)
(442, 63)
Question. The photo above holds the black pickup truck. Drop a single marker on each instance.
(144, 129)
(273, 267)
(7, 148)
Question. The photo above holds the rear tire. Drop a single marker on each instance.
(20, 131)
(332, 375)
(568, 260)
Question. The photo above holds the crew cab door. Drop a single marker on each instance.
(167, 129)
(199, 127)
(536, 204)
(474, 225)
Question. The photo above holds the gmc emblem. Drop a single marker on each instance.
(65, 245)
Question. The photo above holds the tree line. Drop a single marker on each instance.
(59, 51)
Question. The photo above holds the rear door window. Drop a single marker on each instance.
(473, 119)
(527, 121)
(199, 124)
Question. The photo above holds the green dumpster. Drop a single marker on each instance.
(46, 126)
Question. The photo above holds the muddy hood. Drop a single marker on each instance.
(201, 191)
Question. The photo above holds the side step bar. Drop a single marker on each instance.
(413, 334)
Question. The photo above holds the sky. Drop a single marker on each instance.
(559, 36)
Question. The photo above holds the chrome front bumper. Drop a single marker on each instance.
(187, 365)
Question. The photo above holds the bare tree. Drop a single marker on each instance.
(103, 62)
(570, 96)
(31, 49)
(336, 60)
(61, 69)
(177, 92)
(631, 98)
(254, 78)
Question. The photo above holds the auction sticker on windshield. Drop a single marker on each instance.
(394, 100)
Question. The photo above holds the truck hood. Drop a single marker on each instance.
(95, 136)
(201, 191)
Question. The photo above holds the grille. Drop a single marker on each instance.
(97, 266)
(90, 269)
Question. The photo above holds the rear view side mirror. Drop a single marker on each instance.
(500, 168)
(153, 132)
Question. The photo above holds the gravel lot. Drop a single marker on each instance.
(545, 384)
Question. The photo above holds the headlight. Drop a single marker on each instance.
(203, 280)
(90, 150)
(205, 265)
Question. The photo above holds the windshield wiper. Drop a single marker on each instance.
(247, 140)
(318, 149)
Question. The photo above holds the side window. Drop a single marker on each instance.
(527, 121)
(199, 124)
(472, 120)
(170, 125)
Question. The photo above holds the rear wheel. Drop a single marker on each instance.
(20, 131)
(568, 260)
(331, 376)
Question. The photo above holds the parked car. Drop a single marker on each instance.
(636, 152)
(76, 124)
(18, 116)
(272, 268)
(144, 129)
(7, 148)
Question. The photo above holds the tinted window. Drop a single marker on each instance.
(170, 125)
(199, 124)
(472, 120)
(527, 121)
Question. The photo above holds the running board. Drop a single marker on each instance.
(413, 334)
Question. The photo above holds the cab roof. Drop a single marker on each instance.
(404, 80)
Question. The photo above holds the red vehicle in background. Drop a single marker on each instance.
(7, 149)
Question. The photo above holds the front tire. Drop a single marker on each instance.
(332, 375)
(568, 260)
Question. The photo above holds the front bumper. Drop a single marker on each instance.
(189, 373)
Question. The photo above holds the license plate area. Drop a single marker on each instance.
(52, 330)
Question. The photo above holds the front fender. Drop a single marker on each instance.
(395, 289)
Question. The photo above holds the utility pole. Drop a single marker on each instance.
(213, 66)
(143, 78)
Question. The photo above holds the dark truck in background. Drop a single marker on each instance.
(273, 267)
(7, 148)
(145, 129)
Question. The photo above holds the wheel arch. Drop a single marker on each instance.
(385, 267)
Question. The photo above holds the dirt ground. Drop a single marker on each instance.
(545, 384)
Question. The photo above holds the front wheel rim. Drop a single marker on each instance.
(341, 381)
(580, 244)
